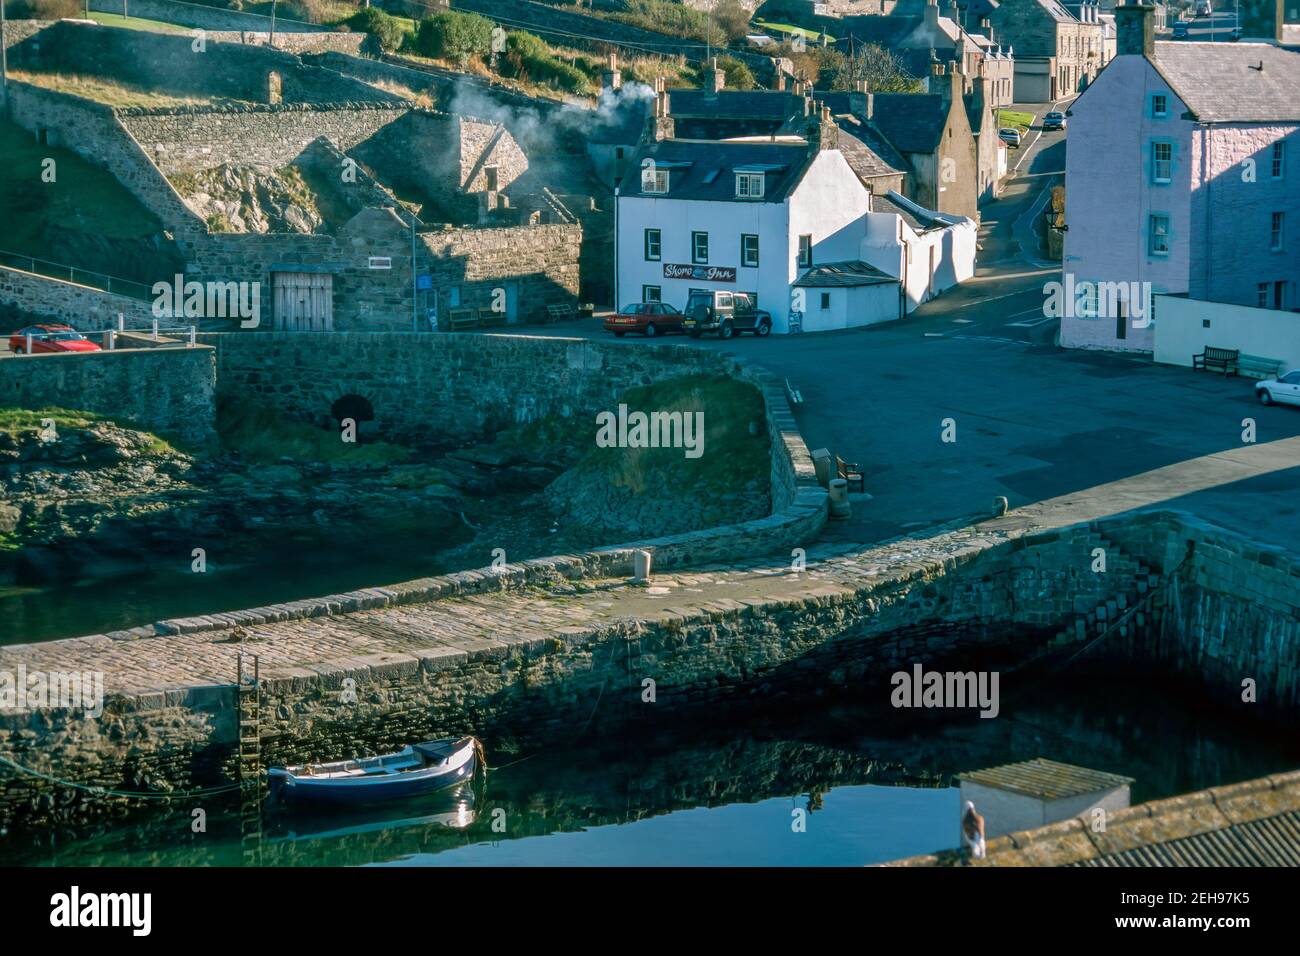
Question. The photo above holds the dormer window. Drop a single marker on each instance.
(654, 181)
(749, 185)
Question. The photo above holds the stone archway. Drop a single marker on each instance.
(359, 409)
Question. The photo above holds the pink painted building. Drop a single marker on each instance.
(1183, 177)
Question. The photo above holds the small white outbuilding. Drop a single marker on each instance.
(1034, 793)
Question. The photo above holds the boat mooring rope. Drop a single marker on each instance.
(106, 792)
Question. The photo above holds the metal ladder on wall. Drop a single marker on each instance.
(248, 699)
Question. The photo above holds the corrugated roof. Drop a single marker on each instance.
(1222, 82)
(843, 274)
(1046, 779)
(1272, 841)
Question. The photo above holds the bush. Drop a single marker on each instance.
(731, 18)
(528, 57)
(454, 36)
(739, 76)
(44, 9)
(386, 30)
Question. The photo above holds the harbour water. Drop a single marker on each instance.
(837, 785)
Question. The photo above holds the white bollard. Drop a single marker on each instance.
(641, 562)
(839, 498)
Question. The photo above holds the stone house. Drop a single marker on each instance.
(932, 132)
(1180, 179)
(1057, 53)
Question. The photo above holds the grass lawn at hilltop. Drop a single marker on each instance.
(135, 23)
(83, 198)
(104, 91)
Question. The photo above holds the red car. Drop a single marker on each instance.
(51, 338)
(648, 318)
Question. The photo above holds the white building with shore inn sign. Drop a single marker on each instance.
(750, 215)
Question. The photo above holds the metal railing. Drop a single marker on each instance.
(87, 277)
(109, 335)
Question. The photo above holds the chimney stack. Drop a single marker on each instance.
(932, 14)
(861, 103)
(714, 78)
(1135, 30)
(823, 134)
(612, 78)
(660, 125)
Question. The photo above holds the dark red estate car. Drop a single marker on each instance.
(51, 338)
(648, 318)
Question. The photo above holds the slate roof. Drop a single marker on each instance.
(913, 122)
(623, 126)
(838, 103)
(848, 274)
(1219, 82)
(884, 30)
(862, 159)
(690, 163)
(734, 104)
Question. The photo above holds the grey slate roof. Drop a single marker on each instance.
(690, 163)
(913, 122)
(734, 104)
(862, 159)
(1046, 779)
(843, 275)
(1219, 82)
(884, 30)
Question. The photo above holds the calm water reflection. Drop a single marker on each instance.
(873, 788)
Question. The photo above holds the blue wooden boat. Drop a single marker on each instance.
(410, 772)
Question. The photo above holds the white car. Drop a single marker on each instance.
(1283, 390)
(1010, 135)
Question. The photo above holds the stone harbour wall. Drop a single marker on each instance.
(957, 599)
(170, 391)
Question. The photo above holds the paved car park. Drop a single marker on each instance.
(1032, 421)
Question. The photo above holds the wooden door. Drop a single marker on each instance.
(304, 301)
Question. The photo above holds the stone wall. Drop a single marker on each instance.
(168, 391)
(185, 139)
(956, 599)
(93, 131)
(161, 61)
(83, 307)
(1233, 612)
(536, 265)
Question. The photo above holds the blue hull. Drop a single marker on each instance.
(291, 788)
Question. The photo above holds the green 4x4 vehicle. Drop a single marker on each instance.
(726, 313)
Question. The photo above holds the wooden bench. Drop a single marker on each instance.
(1220, 360)
(1258, 366)
(556, 312)
(466, 318)
(792, 393)
(850, 472)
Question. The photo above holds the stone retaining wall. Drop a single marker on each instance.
(83, 307)
(168, 391)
